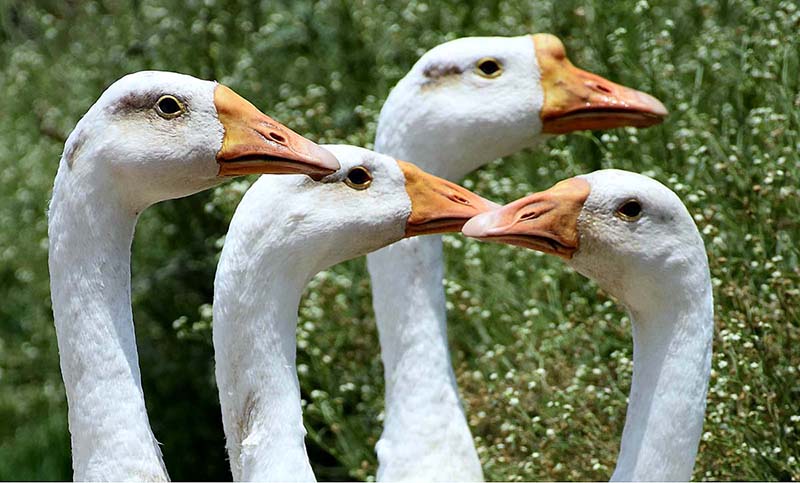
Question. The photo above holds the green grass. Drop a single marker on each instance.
(542, 356)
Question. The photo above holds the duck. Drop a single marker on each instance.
(151, 136)
(284, 231)
(636, 239)
(463, 104)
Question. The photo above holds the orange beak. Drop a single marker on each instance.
(546, 221)
(437, 205)
(576, 100)
(254, 143)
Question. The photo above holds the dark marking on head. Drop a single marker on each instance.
(74, 144)
(436, 71)
(140, 101)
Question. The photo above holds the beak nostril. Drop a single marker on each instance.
(529, 216)
(459, 199)
(602, 88)
(277, 137)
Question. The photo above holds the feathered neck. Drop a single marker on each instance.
(257, 294)
(90, 233)
(671, 367)
(409, 305)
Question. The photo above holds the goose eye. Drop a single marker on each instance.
(488, 67)
(359, 178)
(169, 107)
(630, 210)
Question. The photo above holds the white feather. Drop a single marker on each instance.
(284, 231)
(657, 267)
(115, 164)
(449, 122)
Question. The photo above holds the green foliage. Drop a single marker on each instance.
(543, 358)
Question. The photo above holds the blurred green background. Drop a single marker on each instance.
(543, 358)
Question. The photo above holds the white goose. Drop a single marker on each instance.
(285, 230)
(463, 104)
(635, 238)
(151, 136)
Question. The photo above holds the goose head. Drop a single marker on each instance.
(372, 201)
(162, 135)
(488, 97)
(624, 230)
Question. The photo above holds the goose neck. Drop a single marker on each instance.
(422, 400)
(255, 322)
(671, 368)
(90, 235)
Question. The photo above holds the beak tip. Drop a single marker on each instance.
(327, 160)
(477, 226)
(650, 105)
(658, 108)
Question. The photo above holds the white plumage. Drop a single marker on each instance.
(285, 230)
(451, 118)
(151, 136)
(635, 238)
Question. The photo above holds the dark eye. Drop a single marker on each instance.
(489, 67)
(169, 107)
(358, 178)
(630, 210)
